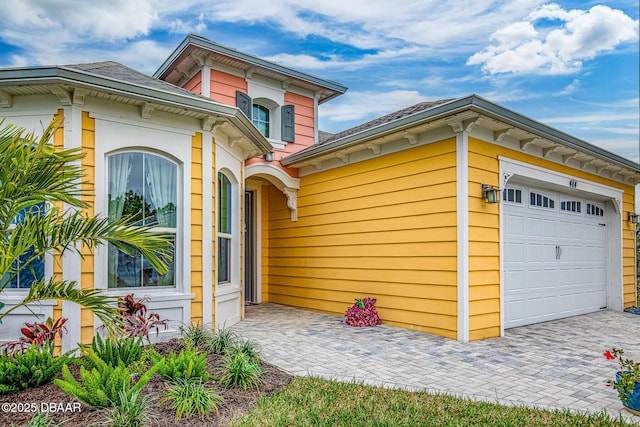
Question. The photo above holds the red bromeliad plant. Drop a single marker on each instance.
(363, 313)
(36, 333)
(137, 321)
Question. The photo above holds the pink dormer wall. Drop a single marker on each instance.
(223, 90)
(195, 83)
(304, 122)
(224, 87)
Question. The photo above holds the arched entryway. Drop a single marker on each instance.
(268, 188)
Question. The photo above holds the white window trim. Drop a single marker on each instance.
(154, 141)
(264, 94)
(177, 231)
(234, 256)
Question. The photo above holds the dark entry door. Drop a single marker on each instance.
(250, 282)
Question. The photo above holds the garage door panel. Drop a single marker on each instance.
(514, 252)
(554, 261)
(515, 224)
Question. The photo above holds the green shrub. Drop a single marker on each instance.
(195, 335)
(191, 397)
(241, 372)
(222, 341)
(39, 419)
(101, 385)
(113, 351)
(249, 348)
(33, 368)
(185, 365)
(131, 412)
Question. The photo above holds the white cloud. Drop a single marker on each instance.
(571, 88)
(309, 62)
(577, 36)
(380, 24)
(192, 26)
(101, 20)
(359, 106)
(594, 117)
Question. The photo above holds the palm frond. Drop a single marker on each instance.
(102, 305)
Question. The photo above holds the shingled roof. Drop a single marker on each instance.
(384, 119)
(117, 71)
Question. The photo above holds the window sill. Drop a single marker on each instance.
(154, 294)
(16, 296)
(277, 143)
(222, 290)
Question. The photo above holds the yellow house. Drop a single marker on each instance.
(461, 217)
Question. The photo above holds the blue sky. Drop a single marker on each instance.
(570, 64)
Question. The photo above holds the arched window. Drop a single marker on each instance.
(27, 268)
(261, 119)
(142, 186)
(225, 227)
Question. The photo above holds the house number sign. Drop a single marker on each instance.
(573, 183)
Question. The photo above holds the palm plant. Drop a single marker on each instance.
(35, 181)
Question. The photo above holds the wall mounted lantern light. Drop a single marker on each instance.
(633, 218)
(490, 194)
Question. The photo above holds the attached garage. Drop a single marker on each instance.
(560, 245)
(555, 255)
(461, 218)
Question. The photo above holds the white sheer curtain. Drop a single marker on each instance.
(161, 182)
(161, 179)
(119, 169)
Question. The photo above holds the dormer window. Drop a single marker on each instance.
(274, 121)
(261, 119)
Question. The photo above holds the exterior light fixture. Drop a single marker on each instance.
(269, 157)
(490, 194)
(633, 218)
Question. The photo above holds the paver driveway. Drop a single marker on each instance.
(556, 364)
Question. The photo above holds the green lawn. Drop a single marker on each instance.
(318, 402)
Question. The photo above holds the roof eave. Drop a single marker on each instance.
(203, 43)
(77, 78)
(471, 102)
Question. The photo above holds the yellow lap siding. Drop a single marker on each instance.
(384, 228)
(400, 249)
(628, 252)
(196, 227)
(266, 194)
(58, 144)
(87, 264)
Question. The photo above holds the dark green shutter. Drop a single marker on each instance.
(288, 123)
(243, 102)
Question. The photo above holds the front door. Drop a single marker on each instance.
(250, 282)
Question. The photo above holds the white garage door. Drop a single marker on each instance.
(554, 255)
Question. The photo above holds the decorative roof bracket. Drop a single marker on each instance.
(6, 99)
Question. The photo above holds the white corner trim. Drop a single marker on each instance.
(208, 237)
(205, 82)
(462, 201)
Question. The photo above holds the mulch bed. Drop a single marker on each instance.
(236, 401)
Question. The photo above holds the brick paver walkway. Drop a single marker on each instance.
(556, 364)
